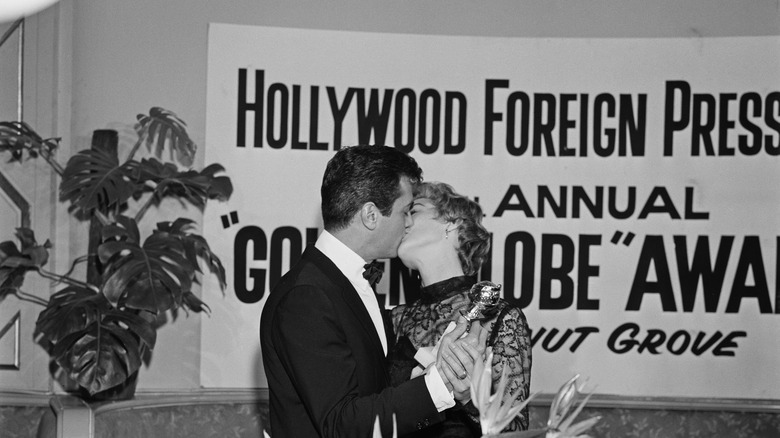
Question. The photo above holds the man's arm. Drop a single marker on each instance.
(334, 371)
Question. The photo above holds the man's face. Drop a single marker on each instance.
(391, 228)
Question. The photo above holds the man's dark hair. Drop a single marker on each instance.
(360, 174)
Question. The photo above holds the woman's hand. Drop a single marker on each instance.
(457, 354)
(476, 338)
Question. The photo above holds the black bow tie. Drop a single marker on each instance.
(373, 272)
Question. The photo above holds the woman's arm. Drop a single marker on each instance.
(512, 351)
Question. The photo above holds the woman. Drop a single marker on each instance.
(447, 244)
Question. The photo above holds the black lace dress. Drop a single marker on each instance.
(422, 323)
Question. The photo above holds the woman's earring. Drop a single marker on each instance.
(446, 233)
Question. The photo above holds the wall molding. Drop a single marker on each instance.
(221, 396)
(154, 399)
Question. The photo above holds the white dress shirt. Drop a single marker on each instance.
(351, 265)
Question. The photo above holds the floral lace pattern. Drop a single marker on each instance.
(424, 321)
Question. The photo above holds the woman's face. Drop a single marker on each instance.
(426, 233)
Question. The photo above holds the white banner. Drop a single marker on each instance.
(631, 186)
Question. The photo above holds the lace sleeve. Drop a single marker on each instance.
(511, 350)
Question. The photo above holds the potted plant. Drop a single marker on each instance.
(98, 329)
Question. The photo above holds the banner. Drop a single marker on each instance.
(630, 185)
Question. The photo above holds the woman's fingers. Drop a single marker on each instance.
(452, 361)
(451, 375)
(483, 336)
(460, 327)
(473, 352)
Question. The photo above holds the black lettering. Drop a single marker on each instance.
(544, 123)
(654, 339)
(599, 147)
(244, 106)
(620, 346)
(632, 127)
(667, 206)
(519, 148)
(406, 98)
(653, 254)
(454, 144)
(339, 113)
(561, 273)
(670, 123)
(725, 124)
(278, 91)
(723, 348)
(585, 270)
(514, 191)
(429, 98)
(750, 259)
(526, 294)
(701, 269)
(490, 115)
(678, 350)
(241, 275)
(373, 120)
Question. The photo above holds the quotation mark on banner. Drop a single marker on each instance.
(229, 219)
(626, 241)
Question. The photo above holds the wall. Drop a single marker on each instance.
(111, 59)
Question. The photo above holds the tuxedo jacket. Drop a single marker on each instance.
(324, 361)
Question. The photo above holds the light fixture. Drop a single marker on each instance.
(11, 10)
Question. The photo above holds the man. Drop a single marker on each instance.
(322, 334)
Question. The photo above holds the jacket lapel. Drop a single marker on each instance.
(348, 294)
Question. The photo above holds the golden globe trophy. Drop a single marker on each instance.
(484, 297)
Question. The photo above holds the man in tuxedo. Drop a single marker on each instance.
(323, 339)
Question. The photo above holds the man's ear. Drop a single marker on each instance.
(369, 215)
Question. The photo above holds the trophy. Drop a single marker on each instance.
(484, 298)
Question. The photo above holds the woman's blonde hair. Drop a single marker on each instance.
(473, 237)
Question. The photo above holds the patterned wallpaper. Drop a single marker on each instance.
(245, 419)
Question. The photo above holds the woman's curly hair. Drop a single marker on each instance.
(473, 237)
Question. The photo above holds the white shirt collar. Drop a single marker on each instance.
(348, 262)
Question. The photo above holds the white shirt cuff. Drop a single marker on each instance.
(441, 396)
(426, 355)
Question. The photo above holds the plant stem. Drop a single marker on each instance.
(145, 207)
(44, 148)
(76, 262)
(24, 296)
(53, 163)
(67, 280)
(136, 146)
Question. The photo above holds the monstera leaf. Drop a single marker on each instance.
(162, 126)
(195, 246)
(95, 180)
(97, 345)
(151, 277)
(69, 311)
(106, 352)
(125, 229)
(221, 188)
(15, 263)
(15, 137)
(195, 187)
